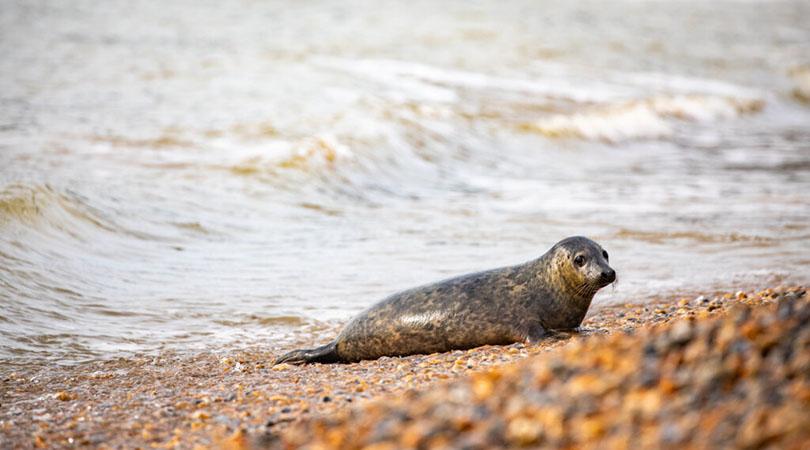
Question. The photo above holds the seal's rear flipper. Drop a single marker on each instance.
(323, 354)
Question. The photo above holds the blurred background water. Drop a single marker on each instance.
(199, 174)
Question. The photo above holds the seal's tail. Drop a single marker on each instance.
(323, 354)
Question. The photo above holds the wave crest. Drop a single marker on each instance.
(314, 154)
(642, 119)
(42, 206)
(21, 202)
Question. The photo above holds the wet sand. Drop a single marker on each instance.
(669, 372)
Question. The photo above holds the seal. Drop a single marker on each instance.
(521, 303)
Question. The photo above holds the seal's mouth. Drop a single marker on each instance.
(589, 287)
(606, 277)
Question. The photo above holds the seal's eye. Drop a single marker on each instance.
(604, 253)
(579, 260)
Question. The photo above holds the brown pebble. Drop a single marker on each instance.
(523, 431)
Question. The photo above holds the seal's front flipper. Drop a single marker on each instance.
(323, 354)
(536, 334)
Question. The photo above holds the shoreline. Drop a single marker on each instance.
(183, 401)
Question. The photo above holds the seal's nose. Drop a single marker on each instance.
(609, 275)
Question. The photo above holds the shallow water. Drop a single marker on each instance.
(206, 174)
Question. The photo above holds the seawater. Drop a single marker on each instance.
(199, 175)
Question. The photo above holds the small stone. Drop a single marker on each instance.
(591, 428)
(523, 431)
(40, 442)
(681, 332)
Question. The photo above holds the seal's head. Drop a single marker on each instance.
(581, 265)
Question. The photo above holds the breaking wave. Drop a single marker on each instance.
(317, 153)
(652, 118)
(42, 204)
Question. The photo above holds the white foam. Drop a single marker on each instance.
(703, 108)
(646, 119)
(612, 125)
(317, 152)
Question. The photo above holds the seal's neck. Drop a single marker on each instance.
(564, 302)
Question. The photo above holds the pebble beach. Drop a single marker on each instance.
(706, 371)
